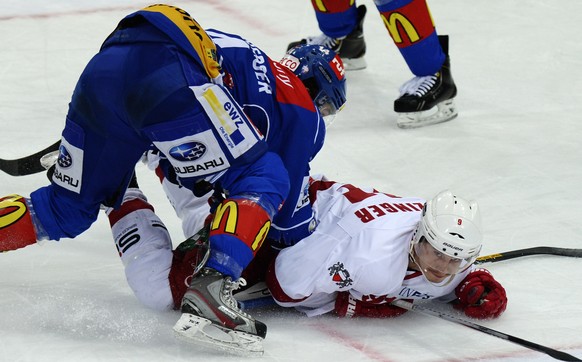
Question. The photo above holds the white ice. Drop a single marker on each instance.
(515, 147)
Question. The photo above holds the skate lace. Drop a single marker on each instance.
(324, 40)
(229, 287)
(418, 86)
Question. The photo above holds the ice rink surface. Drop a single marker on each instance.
(515, 147)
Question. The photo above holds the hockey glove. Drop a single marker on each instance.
(480, 295)
(349, 307)
(16, 224)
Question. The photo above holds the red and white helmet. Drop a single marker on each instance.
(452, 226)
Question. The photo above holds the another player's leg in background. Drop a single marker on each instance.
(341, 23)
(428, 98)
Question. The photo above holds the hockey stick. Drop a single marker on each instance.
(538, 250)
(562, 356)
(27, 165)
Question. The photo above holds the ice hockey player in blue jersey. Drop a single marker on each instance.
(287, 119)
(161, 81)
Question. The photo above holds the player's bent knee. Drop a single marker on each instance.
(147, 276)
(145, 248)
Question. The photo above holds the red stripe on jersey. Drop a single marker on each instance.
(355, 195)
(289, 88)
(318, 185)
(414, 274)
(127, 208)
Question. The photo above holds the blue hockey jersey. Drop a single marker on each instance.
(218, 110)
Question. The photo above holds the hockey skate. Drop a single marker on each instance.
(428, 100)
(350, 48)
(211, 317)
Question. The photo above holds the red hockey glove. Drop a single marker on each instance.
(349, 307)
(16, 227)
(481, 296)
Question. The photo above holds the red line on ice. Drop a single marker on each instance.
(350, 342)
(219, 5)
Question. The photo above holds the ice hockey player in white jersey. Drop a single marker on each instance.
(370, 248)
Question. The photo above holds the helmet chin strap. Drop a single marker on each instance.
(424, 271)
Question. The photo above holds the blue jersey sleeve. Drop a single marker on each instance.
(279, 105)
(266, 177)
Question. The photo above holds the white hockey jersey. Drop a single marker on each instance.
(360, 245)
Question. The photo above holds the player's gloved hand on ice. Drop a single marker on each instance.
(349, 307)
(480, 295)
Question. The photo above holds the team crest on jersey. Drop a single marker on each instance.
(189, 151)
(340, 275)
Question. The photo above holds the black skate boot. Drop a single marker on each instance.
(350, 48)
(211, 316)
(420, 96)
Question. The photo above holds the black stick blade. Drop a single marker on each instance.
(27, 165)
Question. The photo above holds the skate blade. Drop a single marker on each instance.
(442, 112)
(354, 63)
(203, 332)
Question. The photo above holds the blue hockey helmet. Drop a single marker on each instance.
(322, 72)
